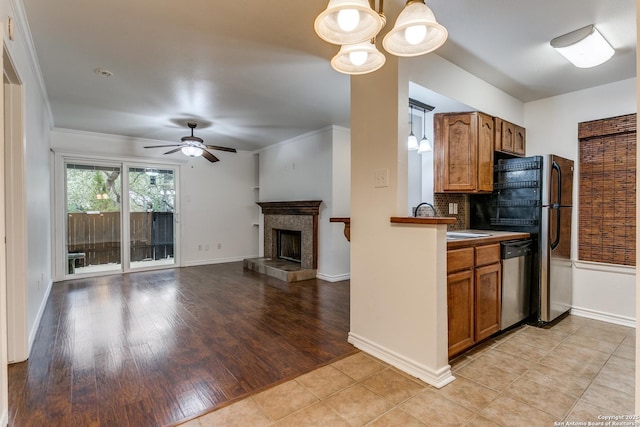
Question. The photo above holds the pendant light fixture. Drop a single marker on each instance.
(348, 22)
(361, 58)
(425, 145)
(353, 22)
(412, 142)
(416, 31)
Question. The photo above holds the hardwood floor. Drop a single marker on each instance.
(157, 348)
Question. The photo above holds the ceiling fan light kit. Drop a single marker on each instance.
(584, 47)
(192, 151)
(354, 24)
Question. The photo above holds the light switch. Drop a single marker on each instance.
(381, 178)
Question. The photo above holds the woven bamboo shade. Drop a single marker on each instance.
(607, 182)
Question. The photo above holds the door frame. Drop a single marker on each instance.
(60, 161)
(15, 213)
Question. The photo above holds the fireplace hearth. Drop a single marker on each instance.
(290, 240)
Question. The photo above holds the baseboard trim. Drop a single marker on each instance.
(36, 323)
(215, 261)
(437, 378)
(337, 278)
(605, 317)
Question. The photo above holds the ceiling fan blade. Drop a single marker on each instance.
(175, 150)
(217, 147)
(207, 155)
(159, 146)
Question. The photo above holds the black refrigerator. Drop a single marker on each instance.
(535, 195)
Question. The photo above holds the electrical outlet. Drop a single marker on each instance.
(219, 245)
(381, 178)
(453, 209)
(199, 247)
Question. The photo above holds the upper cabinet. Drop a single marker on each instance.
(510, 138)
(464, 145)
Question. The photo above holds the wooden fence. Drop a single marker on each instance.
(98, 236)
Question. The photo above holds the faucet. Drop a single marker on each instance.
(415, 212)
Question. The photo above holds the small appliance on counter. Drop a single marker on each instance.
(534, 195)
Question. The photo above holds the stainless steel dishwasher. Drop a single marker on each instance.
(516, 281)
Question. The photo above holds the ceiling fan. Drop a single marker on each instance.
(193, 146)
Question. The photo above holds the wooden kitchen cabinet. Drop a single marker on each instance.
(473, 295)
(509, 138)
(487, 301)
(464, 145)
(460, 299)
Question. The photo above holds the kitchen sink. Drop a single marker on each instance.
(454, 235)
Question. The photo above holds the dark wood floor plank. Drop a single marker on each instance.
(156, 348)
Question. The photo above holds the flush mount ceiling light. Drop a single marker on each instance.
(584, 48)
(354, 22)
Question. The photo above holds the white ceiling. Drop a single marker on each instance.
(254, 73)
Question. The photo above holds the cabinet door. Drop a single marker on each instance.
(486, 133)
(460, 311)
(519, 142)
(508, 137)
(487, 301)
(456, 141)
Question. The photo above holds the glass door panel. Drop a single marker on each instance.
(152, 196)
(93, 215)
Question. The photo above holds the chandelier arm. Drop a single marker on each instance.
(380, 9)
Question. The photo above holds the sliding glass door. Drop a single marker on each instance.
(119, 217)
(93, 205)
(152, 196)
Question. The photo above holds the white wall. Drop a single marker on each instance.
(441, 76)
(217, 200)
(314, 166)
(599, 291)
(37, 123)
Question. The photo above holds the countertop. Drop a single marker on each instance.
(422, 220)
(496, 236)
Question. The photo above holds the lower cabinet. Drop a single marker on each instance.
(487, 301)
(473, 295)
(460, 302)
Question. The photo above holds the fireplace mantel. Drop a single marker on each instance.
(303, 207)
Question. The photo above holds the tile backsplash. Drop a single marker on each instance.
(441, 202)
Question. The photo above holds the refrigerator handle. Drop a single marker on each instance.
(556, 207)
(556, 242)
(556, 167)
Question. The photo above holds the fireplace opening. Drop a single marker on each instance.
(289, 245)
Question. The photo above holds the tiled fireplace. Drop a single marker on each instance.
(290, 228)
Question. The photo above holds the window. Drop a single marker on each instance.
(607, 183)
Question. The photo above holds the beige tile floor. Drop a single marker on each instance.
(577, 370)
